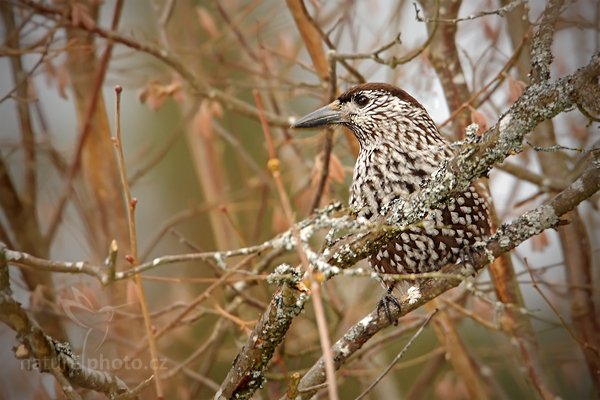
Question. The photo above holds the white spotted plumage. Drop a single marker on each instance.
(400, 147)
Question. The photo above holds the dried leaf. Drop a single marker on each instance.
(80, 15)
(155, 93)
(207, 22)
(204, 116)
(286, 46)
(477, 117)
(515, 89)
(279, 223)
(491, 32)
(336, 169)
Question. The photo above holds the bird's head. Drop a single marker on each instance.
(376, 112)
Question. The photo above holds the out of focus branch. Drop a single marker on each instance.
(310, 36)
(48, 354)
(501, 11)
(199, 87)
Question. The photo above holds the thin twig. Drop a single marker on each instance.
(198, 86)
(582, 343)
(398, 356)
(474, 100)
(313, 279)
(86, 128)
(327, 141)
(130, 204)
(501, 12)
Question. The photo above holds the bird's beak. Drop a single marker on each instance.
(328, 115)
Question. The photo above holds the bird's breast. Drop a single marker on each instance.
(381, 175)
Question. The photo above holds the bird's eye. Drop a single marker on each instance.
(361, 100)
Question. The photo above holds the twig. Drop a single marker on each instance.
(471, 314)
(501, 12)
(332, 47)
(545, 183)
(327, 141)
(46, 353)
(130, 204)
(238, 35)
(474, 100)
(150, 161)
(199, 299)
(82, 267)
(556, 147)
(22, 87)
(198, 86)
(326, 70)
(398, 356)
(85, 131)
(426, 376)
(310, 36)
(582, 343)
(218, 330)
(313, 279)
(393, 61)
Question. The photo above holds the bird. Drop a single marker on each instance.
(400, 148)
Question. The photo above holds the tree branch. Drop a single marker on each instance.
(508, 237)
(48, 354)
(538, 103)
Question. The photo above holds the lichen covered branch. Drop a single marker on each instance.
(247, 373)
(48, 354)
(507, 238)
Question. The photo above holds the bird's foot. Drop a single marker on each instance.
(387, 301)
(467, 257)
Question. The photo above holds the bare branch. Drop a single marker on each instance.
(48, 354)
(501, 12)
(398, 356)
(198, 87)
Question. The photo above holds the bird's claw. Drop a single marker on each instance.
(467, 257)
(387, 301)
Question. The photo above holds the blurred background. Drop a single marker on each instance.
(196, 161)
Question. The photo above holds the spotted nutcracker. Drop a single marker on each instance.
(400, 148)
